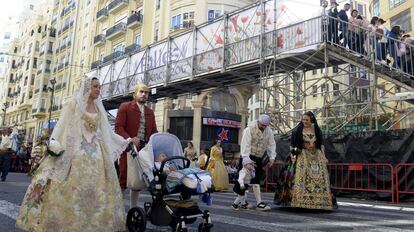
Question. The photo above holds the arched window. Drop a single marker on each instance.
(223, 101)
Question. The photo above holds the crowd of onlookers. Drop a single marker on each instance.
(15, 156)
(391, 46)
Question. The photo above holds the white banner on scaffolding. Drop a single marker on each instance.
(182, 49)
(136, 70)
(296, 31)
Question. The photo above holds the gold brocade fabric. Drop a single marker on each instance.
(90, 199)
(311, 188)
(218, 170)
(90, 123)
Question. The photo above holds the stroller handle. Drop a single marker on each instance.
(134, 151)
(186, 161)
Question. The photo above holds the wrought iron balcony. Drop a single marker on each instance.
(95, 64)
(99, 39)
(134, 20)
(52, 33)
(113, 56)
(102, 14)
(116, 30)
(117, 5)
(132, 48)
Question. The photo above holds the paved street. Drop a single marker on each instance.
(352, 214)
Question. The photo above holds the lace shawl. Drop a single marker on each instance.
(68, 133)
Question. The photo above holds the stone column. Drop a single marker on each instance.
(197, 109)
(166, 108)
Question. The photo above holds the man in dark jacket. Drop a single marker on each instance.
(5, 156)
(333, 23)
(343, 24)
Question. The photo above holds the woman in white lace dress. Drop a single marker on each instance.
(79, 190)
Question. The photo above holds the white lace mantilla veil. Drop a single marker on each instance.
(68, 133)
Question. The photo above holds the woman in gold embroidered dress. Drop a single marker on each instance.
(217, 168)
(311, 186)
(79, 190)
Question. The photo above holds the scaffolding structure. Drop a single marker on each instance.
(358, 103)
(262, 45)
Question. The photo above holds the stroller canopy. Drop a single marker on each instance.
(165, 143)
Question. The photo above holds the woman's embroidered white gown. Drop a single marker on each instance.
(89, 200)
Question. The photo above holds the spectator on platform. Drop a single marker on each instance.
(354, 31)
(382, 33)
(343, 24)
(371, 36)
(407, 53)
(333, 24)
(394, 42)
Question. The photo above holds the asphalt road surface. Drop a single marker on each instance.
(352, 215)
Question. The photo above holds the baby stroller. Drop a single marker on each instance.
(169, 212)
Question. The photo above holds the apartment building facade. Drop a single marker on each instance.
(50, 57)
(395, 12)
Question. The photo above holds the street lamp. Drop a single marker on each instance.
(51, 89)
(6, 105)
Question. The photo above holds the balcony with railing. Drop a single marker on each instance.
(41, 53)
(38, 112)
(102, 14)
(60, 66)
(131, 49)
(99, 39)
(56, 108)
(113, 56)
(39, 71)
(52, 33)
(67, 26)
(116, 30)
(134, 20)
(67, 9)
(95, 64)
(117, 5)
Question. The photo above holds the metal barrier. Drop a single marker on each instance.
(273, 174)
(407, 171)
(362, 177)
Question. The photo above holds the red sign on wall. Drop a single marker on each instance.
(221, 122)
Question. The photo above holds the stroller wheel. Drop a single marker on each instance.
(136, 220)
(204, 227)
(179, 228)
